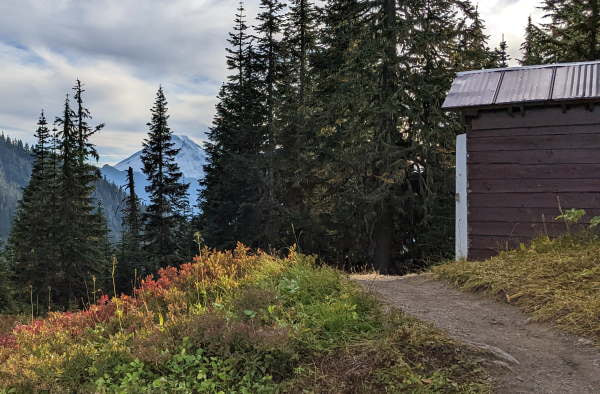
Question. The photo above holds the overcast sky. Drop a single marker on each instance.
(123, 49)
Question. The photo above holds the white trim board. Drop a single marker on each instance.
(461, 229)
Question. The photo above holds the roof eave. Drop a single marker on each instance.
(532, 103)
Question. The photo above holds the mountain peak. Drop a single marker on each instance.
(190, 158)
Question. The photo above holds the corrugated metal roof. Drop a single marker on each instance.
(474, 89)
(555, 82)
(577, 82)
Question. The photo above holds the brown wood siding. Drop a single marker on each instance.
(521, 165)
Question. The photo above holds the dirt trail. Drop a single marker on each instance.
(531, 357)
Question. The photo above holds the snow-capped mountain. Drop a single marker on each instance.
(191, 159)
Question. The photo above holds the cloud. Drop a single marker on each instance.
(123, 49)
(508, 18)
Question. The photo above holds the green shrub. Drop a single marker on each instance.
(238, 322)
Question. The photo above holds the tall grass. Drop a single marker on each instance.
(557, 280)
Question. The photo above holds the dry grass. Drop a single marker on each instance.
(8, 322)
(557, 281)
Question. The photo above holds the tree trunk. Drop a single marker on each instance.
(383, 237)
(385, 223)
(593, 39)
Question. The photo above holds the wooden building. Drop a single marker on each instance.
(532, 145)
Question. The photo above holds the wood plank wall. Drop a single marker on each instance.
(521, 165)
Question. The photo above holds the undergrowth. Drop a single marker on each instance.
(237, 322)
(556, 280)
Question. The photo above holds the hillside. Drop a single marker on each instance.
(238, 322)
(15, 168)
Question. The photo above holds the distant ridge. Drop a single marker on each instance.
(15, 169)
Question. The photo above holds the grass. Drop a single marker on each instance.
(238, 322)
(556, 281)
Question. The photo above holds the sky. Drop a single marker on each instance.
(123, 50)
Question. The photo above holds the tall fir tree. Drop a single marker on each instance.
(132, 259)
(31, 238)
(533, 48)
(473, 52)
(572, 30)
(384, 155)
(502, 56)
(164, 216)
(436, 52)
(230, 190)
(82, 231)
(270, 62)
(362, 157)
(295, 132)
(335, 222)
(7, 283)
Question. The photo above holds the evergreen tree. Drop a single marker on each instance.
(573, 30)
(533, 47)
(187, 231)
(295, 132)
(436, 51)
(334, 223)
(269, 53)
(81, 231)
(168, 195)
(502, 56)
(231, 187)
(473, 51)
(132, 259)
(7, 287)
(385, 144)
(131, 213)
(31, 237)
(352, 131)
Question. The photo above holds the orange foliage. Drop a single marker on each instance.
(169, 293)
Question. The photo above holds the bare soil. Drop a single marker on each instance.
(524, 356)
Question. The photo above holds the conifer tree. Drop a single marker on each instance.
(81, 231)
(533, 47)
(132, 260)
(502, 56)
(436, 52)
(164, 216)
(295, 136)
(31, 237)
(335, 223)
(572, 30)
(473, 52)
(7, 286)
(131, 213)
(358, 85)
(383, 135)
(231, 187)
(361, 150)
(269, 52)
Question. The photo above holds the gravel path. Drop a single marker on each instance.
(530, 357)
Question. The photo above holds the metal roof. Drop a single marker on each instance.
(529, 84)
